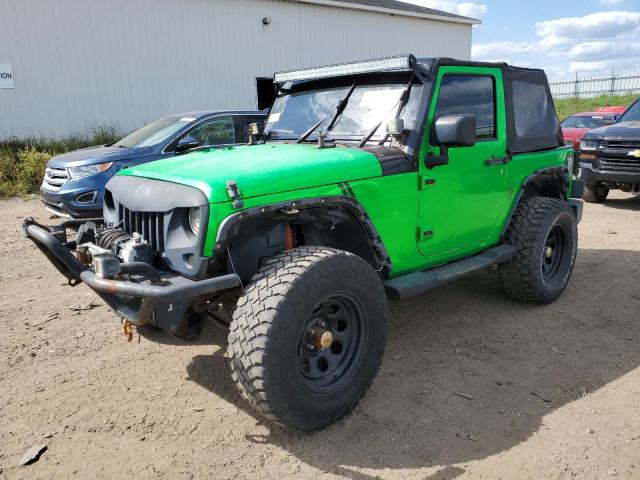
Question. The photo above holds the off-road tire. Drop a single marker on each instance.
(595, 193)
(269, 319)
(535, 218)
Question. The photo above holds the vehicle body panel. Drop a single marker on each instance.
(466, 191)
(263, 169)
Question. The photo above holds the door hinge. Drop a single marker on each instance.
(424, 233)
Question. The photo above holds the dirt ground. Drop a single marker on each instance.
(554, 391)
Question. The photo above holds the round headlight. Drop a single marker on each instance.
(194, 219)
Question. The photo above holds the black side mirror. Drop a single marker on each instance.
(456, 130)
(187, 143)
(452, 131)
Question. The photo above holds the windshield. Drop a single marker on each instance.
(155, 132)
(632, 114)
(293, 114)
(581, 121)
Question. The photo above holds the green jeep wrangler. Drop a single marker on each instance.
(371, 180)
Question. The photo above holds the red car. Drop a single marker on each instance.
(615, 110)
(575, 126)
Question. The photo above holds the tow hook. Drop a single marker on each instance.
(127, 330)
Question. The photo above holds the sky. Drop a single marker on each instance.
(588, 38)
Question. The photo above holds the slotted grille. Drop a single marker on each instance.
(55, 178)
(620, 164)
(619, 144)
(148, 224)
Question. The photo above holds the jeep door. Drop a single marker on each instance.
(460, 202)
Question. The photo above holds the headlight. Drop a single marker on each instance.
(588, 144)
(83, 171)
(194, 219)
(570, 161)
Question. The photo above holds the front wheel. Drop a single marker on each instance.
(545, 233)
(307, 336)
(595, 193)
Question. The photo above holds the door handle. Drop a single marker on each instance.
(496, 161)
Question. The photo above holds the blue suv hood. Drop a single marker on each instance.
(93, 155)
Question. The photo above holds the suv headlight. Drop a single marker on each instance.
(194, 219)
(83, 171)
(588, 144)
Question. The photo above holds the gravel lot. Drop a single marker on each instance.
(553, 392)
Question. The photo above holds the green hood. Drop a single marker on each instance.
(261, 169)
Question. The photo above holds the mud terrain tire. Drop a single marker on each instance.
(274, 362)
(545, 233)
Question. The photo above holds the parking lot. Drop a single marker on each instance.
(471, 384)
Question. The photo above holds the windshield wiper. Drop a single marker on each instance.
(341, 105)
(402, 102)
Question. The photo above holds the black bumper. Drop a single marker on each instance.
(592, 176)
(166, 287)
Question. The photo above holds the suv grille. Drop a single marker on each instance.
(55, 178)
(148, 224)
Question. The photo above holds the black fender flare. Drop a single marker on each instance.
(560, 173)
(232, 223)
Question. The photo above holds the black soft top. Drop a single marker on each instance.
(532, 123)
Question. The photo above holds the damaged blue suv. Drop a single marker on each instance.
(73, 184)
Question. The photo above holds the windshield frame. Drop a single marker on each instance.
(421, 84)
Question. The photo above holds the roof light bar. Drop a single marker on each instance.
(401, 62)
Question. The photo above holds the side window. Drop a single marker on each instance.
(217, 131)
(473, 94)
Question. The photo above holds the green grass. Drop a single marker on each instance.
(569, 106)
(23, 160)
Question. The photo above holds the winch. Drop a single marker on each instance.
(106, 248)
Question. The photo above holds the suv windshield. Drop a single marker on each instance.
(582, 121)
(294, 113)
(154, 133)
(632, 114)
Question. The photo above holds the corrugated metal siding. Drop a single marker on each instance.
(79, 64)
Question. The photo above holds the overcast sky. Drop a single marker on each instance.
(588, 37)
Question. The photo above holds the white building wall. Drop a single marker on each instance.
(80, 64)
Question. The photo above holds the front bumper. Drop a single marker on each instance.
(152, 294)
(65, 200)
(591, 176)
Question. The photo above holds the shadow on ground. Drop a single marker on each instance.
(627, 203)
(517, 362)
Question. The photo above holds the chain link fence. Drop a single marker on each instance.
(594, 86)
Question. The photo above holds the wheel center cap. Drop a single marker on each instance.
(548, 252)
(320, 338)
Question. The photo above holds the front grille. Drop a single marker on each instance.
(620, 164)
(55, 178)
(619, 144)
(148, 224)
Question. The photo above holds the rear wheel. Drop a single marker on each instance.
(595, 193)
(545, 233)
(307, 336)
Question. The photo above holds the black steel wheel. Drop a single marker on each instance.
(552, 253)
(307, 336)
(331, 343)
(545, 232)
